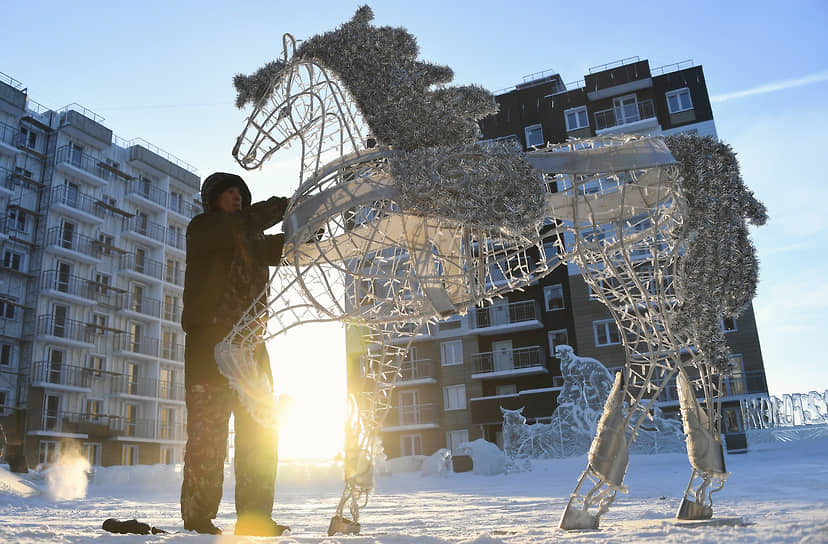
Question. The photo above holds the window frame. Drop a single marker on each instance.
(530, 129)
(444, 361)
(546, 299)
(449, 406)
(677, 94)
(452, 443)
(551, 342)
(606, 323)
(576, 111)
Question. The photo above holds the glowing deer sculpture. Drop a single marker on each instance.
(401, 218)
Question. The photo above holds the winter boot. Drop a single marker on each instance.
(260, 527)
(203, 526)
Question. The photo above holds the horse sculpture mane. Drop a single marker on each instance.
(391, 87)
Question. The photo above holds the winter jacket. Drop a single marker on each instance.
(228, 256)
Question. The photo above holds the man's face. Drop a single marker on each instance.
(230, 200)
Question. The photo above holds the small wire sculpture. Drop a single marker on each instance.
(388, 239)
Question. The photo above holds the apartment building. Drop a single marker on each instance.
(459, 375)
(91, 279)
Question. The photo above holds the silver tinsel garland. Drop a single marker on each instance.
(720, 270)
(490, 186)
(401, 97)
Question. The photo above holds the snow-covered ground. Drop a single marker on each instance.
(777, 493)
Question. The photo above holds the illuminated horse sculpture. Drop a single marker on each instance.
(392, 226)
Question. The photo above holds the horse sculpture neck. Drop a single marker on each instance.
(327, 119)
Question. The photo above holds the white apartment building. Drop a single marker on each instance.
(91, 278)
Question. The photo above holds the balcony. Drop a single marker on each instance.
(176, 240)
(148, 230)
(93, 425)
(141, 306)
(143, 191)
(174, 276)
(68, 287)
(173, 352)
(136, 263)
(171, 391)
(752, 382)
(626, 116)
(418, 371)
(122, 384)
(75, 204)
(73, 245)
(106, 295)
(70, 377)
(65, 331)
(137, 345)
(135, 428)
(411, 417)
(172, 313)
(6, 182)
(513, 362)
(188, 210)
(176, 432)
(516, 316)
(74, 161)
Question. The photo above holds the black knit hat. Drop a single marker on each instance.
(217, 183)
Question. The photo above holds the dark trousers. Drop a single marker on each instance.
(208, 412)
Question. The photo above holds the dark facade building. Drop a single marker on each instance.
(458, 376)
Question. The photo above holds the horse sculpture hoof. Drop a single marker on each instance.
(692, 510)
(575, 519)
(344, 526)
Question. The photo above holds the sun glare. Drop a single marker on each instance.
(309, 367)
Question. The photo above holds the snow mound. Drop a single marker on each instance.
(15, 485)
(488, 459)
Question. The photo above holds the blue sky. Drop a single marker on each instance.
(162, 70)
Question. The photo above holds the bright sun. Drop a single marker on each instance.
(309, 366)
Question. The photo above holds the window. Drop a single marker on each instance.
(411, 444)
(173, 271)
(557, 338)
(99, 323)
(51, 410)
(6, 308)
(93, 452)
(75, 154)
(175, 202)
(454, 397)
(60, 315)
(102, 283)
(19, 172)
(133, 373)
(5, 354)
(507, 389)
(67, 234)
(736, 380)
(534, 136)
(93, 408)
(4, 399)
(129, 455)
(137, 297)
(454, 439)
(48, 452)
(168, 343)
(96, 364)
(679, 100)
(170, 308)
(576, 118)
(451, 353)
(166, 383)
(18, 220)
(606, 332)
(553, 295)
(28, 138)
(130, 418)
(166, 417)
(105, 243)
(63, 276)
(626, 109)
(13, 260)
(167, 455)
(728, 324)
(136, 335)
(56, 357)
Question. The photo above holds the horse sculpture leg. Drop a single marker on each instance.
(380, 367)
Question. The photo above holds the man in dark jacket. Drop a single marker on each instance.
(228, 256)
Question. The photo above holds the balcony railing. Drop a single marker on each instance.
(142, 265)
(618, 116)
(412, 414)
(145, 189)
(64, 328)
(145, 227)
(6, 179)
(513, 359)
(516, 312)
(142, 305)
(61, 374)
(173, 352)
(106, 295)
(172, 431)
(81, 160)
(753, 381)
(187, 209)
(92, 424)
(144, 345)
(176, 239)
(58, 236)
(139, 428)
(172, 313)
(74, 199)
(170, 390)
(67, 283)
(418, 369)
(174, 276)
(128, 385)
